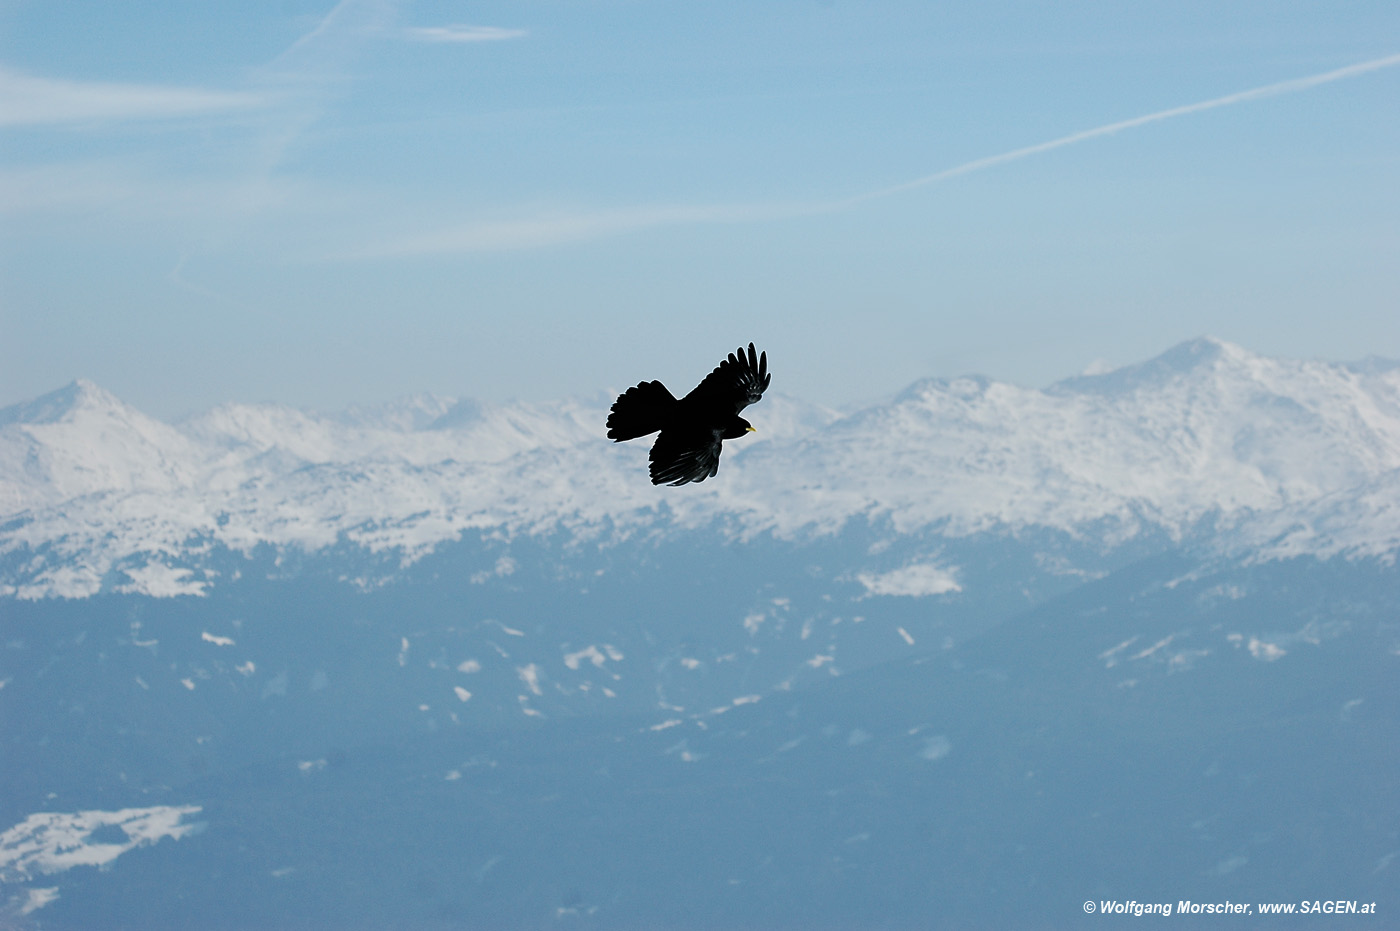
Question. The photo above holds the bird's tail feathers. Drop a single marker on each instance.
(640, 410)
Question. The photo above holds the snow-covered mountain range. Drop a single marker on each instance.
(1289, 456)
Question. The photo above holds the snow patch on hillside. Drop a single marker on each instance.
(50, 842)
(914, 581)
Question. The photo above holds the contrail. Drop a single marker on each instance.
(551, 230)
(1268, 90)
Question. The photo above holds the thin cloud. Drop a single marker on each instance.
(1258, 93)
(558, 228)
(462, 33)
(313, 71)
(176, 277)
(348, 24)
(85, 186)
(26, 100)
(507, 235)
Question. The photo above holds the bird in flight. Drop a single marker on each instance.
(692, 428)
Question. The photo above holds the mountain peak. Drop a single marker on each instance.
(463, 413)
(1195, 356)
(1194, 353)
(961, 386)
(57, 406)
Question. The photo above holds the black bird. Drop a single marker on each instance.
(691, 429)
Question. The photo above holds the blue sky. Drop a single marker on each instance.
(325, 204)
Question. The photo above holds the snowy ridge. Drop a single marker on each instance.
(1207, 428)
(96, 496)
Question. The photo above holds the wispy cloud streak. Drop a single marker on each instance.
(336, 35)
(313, 72)
(556, 228)
(26, 100)
(462, 33)
(1258, 93)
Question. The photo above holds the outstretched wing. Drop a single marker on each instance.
(640, 410)
(737, 382)
(681, 455)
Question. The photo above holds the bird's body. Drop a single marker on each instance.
(691, 428)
